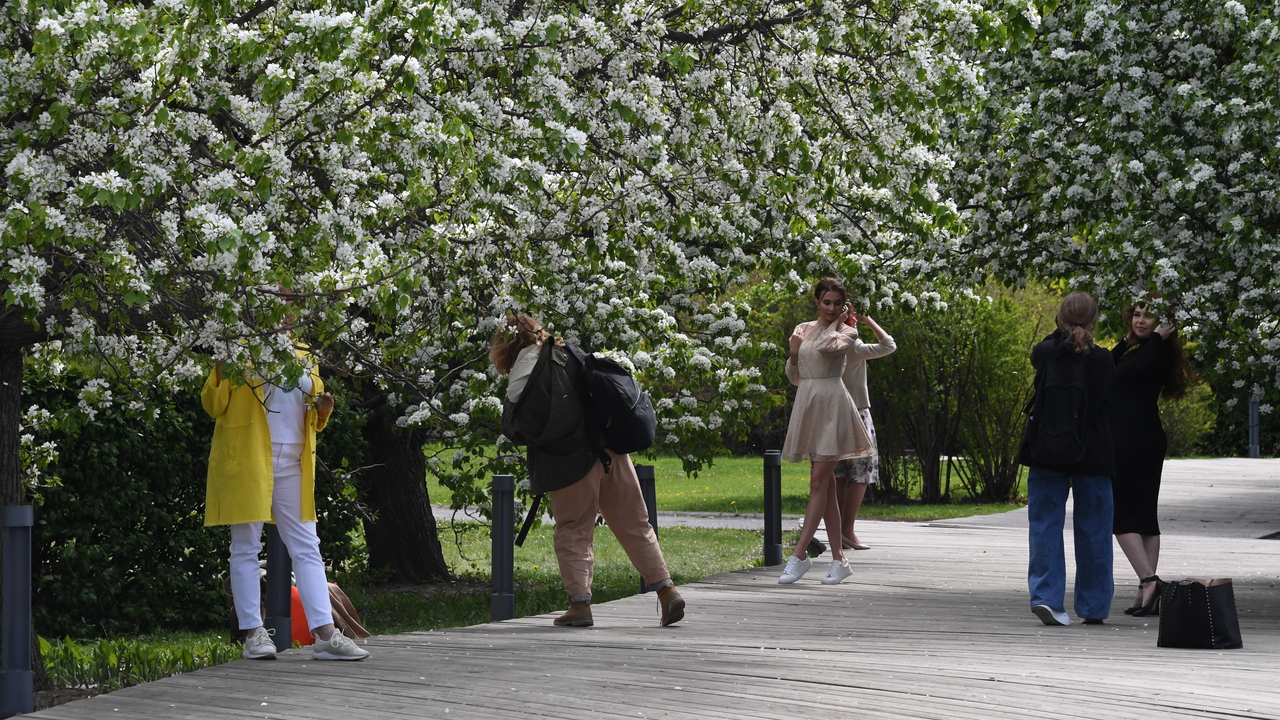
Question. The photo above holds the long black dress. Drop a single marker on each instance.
(1139, 439)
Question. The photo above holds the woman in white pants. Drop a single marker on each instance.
(262, 469)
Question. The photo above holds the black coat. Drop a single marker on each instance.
(548, 418)
(1099, 458)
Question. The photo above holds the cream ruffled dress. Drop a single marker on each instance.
(825, 426)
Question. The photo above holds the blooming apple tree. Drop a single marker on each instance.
(388, 179)
(1131, 148)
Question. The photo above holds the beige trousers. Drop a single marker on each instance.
(617, 497)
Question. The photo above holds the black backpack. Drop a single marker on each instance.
(1058, 426)
(549, 411)
(613, 399)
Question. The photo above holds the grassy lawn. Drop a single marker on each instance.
(735, 484)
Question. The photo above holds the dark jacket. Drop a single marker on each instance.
(1141, 370)
(1099, 459)
(549, 420)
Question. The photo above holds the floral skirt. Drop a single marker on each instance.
(865, 470)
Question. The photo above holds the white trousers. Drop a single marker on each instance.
(299, 538)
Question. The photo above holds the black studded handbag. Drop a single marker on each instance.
(1198, 613)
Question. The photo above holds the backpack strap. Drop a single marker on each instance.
(584, 359)
(528, 520)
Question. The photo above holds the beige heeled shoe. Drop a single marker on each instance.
(848, 544)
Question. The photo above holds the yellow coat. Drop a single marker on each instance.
(238, 486)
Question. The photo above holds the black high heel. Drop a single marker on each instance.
(1152, 607)
(1135, 608)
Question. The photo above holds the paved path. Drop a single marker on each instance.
(933, 624)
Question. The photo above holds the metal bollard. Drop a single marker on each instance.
(17, 691)
(502, 601)
(649, 490)
(1254, 450)
(772, 507)
(279, 590)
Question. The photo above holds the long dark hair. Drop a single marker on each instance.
(1180, 375)
(1076, 316)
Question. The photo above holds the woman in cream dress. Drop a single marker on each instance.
(825, 427)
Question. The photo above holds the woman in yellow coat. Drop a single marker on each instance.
(262, 469)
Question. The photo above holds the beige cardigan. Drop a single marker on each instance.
(855, 368)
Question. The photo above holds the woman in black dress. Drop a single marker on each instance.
(1149, 363)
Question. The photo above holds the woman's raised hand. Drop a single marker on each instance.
(1166, 330)
(324, 403)
(796, 340)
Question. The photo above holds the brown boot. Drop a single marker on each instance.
(578, 615)
(672, 605)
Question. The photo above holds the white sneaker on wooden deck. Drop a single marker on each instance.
(259, 645)
(338, 647)
(796, 568)
(838, 572)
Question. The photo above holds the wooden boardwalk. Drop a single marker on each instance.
(933, 624)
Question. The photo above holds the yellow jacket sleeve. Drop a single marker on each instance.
(215, 396)
(317, 387)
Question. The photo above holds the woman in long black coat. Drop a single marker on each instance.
(1149, 363)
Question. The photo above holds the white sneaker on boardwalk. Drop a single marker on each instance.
(260, 646)
(838, 572)
(1049, 616)
(796, 568)
(338, 647)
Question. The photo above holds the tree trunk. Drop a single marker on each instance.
(929, 449)
(11, 490)
(401, 536)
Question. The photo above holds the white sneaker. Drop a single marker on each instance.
(1049, 616)
(338, 647)
(796, 568)
(838, 572)
(260, 646)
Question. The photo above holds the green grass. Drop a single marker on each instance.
(735, 485)
(110, 664)
(691, 554)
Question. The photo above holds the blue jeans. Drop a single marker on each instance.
(1047, 570)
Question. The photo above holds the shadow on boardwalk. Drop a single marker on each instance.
(933, 624)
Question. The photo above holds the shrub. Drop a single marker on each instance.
(120, 544)
(1190, 421)
(1230, 435)
(1005, 329)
